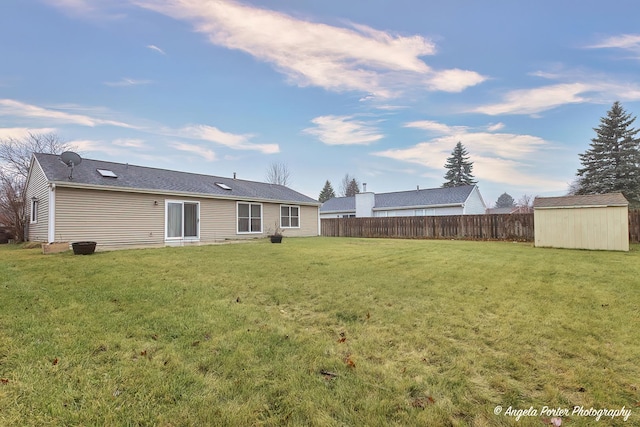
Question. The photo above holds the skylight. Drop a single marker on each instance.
(107, 173)
(223, 186)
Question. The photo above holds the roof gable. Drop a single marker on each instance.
(587, 200)
(139, 178)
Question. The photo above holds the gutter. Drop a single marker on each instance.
(175, 193)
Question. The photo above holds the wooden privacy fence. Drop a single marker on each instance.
(634, 226)
(471, 227)
(514, 227)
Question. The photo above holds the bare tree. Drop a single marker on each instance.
(15, 159)
(349, 186)
(525, 204)
(278, 173)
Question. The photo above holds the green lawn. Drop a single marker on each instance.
(318, 331)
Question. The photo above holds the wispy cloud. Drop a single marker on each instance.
(630, 42)
(344, 130)
(128, 82)
(213, 134)
(18, 133)
(358, 58)
(498, 157)
(92, 9)
(156, 49)
(531, 101)
(12, 108)
(130, 143)
(203, 152)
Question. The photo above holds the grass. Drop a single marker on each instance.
(320, 332)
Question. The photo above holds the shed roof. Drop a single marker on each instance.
(141, 178)
(587, 200)
(428, 197)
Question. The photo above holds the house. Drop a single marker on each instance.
(121, 205)
(509, 210)
(463, 200)
(594, 221)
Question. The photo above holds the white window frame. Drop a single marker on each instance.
(289, 207)
(166, 221)
(34, 211)
(238, 217)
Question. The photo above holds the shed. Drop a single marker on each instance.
(594, 221)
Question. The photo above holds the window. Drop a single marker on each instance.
(34, 210)
(249, 217)
(223, 186)
(182, 220)
(290, 216)
(107, 173)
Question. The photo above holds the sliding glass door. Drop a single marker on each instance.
(182, 219)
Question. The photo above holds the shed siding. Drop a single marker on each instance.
(38, 187)
(121, 219)
(603, 228)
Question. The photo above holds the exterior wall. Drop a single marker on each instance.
(37, 186)
(604, 228)
(120, 219)
(337, 215)
(365, 202)
(308, 220)
(474, 205)
(449, 210)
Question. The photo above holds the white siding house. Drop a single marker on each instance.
(463, 200)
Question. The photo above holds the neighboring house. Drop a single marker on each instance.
(463, 200)
(510, 210)
(593, 221)
(122, 205)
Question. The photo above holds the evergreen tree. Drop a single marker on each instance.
(326, 193)
(353, 188)
(613, 162)
(458, 168)
(505, 201)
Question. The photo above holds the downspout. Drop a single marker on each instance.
(52, 213)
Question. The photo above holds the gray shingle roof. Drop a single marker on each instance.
(608, 199)
(431, 197)
(339, 204)
(131, 177)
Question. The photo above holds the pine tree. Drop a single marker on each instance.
(505, 201)
(458, 168)
(326, 193)
(353, 188)
(613, 162)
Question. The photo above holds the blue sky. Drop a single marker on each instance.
(378, 89)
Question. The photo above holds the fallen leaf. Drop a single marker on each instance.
(238, 299)
(154, 337)
(343, 339)
(195, 343)
(582, 390)
(349, 361)
(368, 315)
(4, 380)
(143, 353)
(55, 361)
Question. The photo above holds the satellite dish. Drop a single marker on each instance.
(70, 159)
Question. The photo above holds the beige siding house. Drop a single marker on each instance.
(598, 221)
(119, 205)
